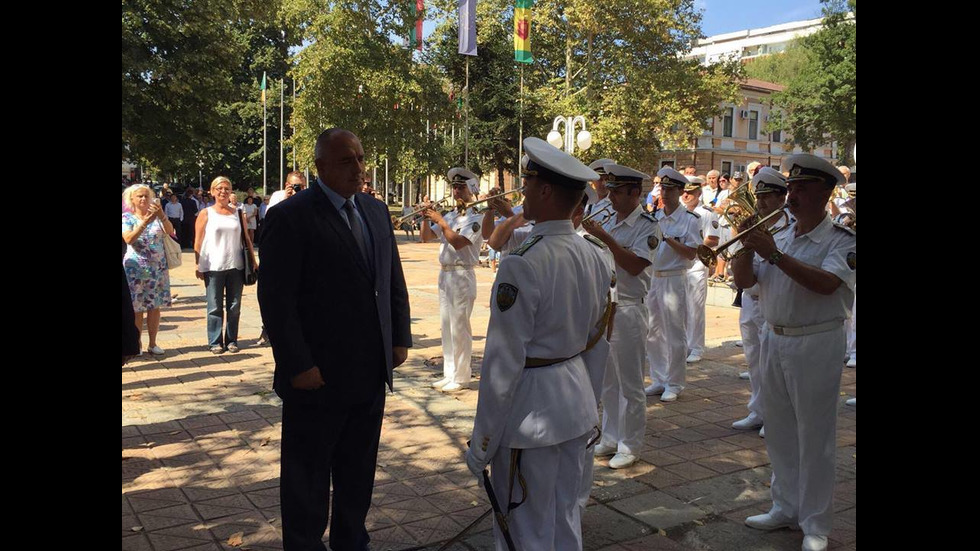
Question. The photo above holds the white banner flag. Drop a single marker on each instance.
(467, 27)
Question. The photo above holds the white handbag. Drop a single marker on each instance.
(172, 248)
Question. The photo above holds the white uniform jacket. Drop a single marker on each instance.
(467, 225)
(547, 300)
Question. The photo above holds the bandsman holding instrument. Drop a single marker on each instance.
(770, 195)
(537, 410)
(806, 278)
(697, 275)
(632, 235)
(601, 198)
(666, 345)
(458, 255)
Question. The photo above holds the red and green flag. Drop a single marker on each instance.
(415, 35)
(522, 31)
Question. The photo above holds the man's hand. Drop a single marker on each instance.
(432, 214)
(398, 355)
(595, 229)
(475, 465)
(308, 380)
(760, 241)
(199, 275)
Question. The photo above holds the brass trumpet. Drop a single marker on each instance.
(492, 197)
(607, 212)
(708, 256)
(397, 221)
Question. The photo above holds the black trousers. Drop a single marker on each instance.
(328, 442)
(187, 235)
(178, 229)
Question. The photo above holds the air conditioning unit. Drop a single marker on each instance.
(743, 114)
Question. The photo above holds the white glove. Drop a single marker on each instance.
(475, 465)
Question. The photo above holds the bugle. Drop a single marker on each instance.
(418, 212)
(708, 256)
(606, 212)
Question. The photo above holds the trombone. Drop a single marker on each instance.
(709, 256)
(492, 197)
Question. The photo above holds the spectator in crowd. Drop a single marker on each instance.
(190, 207)
(709, 194)
(143, 230)
(262, 204)
(295, 182)
(840, 195)
(251, 212)
(721, 204)
(690, 170)
(221, 264)
(175, 213)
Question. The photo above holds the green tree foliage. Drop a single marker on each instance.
(821, 100)
(780, 68)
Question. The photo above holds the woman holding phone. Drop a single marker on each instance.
(144, 228)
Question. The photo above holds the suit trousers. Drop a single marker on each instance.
(550, 517)
(800, 390)
(697, 298)
(457, 293)
(322, 443)
(624, 404)
(667, 344)
(751, 324)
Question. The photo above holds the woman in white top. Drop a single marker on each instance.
(251, 211)
(221, 264)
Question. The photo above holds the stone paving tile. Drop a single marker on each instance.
(718, 430)
(723, 534)
(658, 510)
(746, 439)
(661, 478)
(735, 461)
(655, 542)
(726, 492)
(690, 471)
(603, 525)
(136, 542)
(660, 458)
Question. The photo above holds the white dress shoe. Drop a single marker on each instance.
(744, 375)
(622, 460)
(452, 387)
(762, 432)
(751, 422)
(814, 543)
(602, 450)
(668, 396)
(766, 521)
(155, 350)
(441, 382)
(852, 402)
(738, 344)
(654, 389)
(694, 358)
(853, 362)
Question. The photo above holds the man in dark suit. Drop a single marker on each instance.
(334, 302)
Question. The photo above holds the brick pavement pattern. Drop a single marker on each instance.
(201, 437)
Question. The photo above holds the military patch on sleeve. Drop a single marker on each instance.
(527, 244)
(476, 226)
(594, 240)
(652, 242)
(852, 260)
(714, 224)
(506, 296)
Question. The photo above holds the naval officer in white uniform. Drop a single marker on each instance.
(459, 253)
(537, 409)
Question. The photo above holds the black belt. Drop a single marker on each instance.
(531, 363)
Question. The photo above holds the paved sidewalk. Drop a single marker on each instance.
(201, 436)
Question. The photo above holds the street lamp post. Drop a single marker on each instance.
(200, 173)
(583, 139)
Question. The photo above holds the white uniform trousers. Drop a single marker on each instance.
(800, 390)
(750, 323)
(852, 325)
(624, 405)
(697, 297)
(667, 345)
(457, 293)
(550, 518)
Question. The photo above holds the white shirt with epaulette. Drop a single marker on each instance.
(710, 226)
(830, 247)
(599, 205)
(468, 225)
(640, 234)
(682, 224)
(547, 299)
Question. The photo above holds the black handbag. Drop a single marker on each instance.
(251, 271)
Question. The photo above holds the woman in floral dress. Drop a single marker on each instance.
(143, 230)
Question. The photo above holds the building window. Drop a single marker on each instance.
(753, 125)
(777, 136)
(726, 167)
(667, 163)
(727, 126)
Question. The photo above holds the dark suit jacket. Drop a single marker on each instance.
(320, 303)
